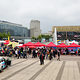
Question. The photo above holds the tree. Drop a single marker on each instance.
(4, 35)
(39, 37)
(44, 36)
(8, 34)
(1, 36)
(33, 37)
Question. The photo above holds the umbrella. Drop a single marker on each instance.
(28, 44)
(51, 44)
(38, 44)
(6, 42)
(62, 45)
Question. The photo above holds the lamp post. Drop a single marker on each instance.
(66, 35)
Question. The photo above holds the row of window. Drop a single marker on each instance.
(14, 30)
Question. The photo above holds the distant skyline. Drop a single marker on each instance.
(48, 12)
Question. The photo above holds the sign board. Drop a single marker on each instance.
(43, 40)
(50, 39)
(27, 40)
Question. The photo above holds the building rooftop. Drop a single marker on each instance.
(6, 22)
(35, 20)
(67, 28)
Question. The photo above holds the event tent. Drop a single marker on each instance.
(62, 45)
(51, 44)
(38, 44)
(32, 47)
(73, 45)
(29, 44)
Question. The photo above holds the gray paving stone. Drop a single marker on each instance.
(19, 71)
(50, 72)
(15, 68)
(28, 72)
(71, 71)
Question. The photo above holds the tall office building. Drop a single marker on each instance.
(35, 28)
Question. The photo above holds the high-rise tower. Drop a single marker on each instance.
(35, 28)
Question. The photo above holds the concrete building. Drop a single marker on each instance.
(35, 28)
(14, 29)
(67, 32)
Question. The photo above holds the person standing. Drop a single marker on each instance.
(33, 53)
(54, 53)
(58, 53)
(41, 57)
(50, 54)
(19, 54)
(16, 52)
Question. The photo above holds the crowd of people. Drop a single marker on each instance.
(41, 52)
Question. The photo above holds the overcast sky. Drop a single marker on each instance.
(48, 12)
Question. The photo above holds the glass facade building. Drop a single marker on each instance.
(13, 29)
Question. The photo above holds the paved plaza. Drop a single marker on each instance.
(30, 69)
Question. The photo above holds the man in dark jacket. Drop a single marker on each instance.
(41, 57)
(34, 53)
(50, 55)
(58, 53)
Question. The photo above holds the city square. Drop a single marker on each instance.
(30, 69)
(39, 40)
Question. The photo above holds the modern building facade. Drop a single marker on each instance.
(67, 32)
(13, 29)
(35, 28)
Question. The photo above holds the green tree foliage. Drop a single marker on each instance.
(44, 36)
(4, 35)
(1, 36)
(33, 37)
(39, 37)
(8, 34)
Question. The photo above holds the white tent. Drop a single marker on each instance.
(70, 42)
(2, 41)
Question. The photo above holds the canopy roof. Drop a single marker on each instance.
(28, 44)
(51, 44)
(32, 47)
(38, 44)
(74, 45)
(62, 45)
